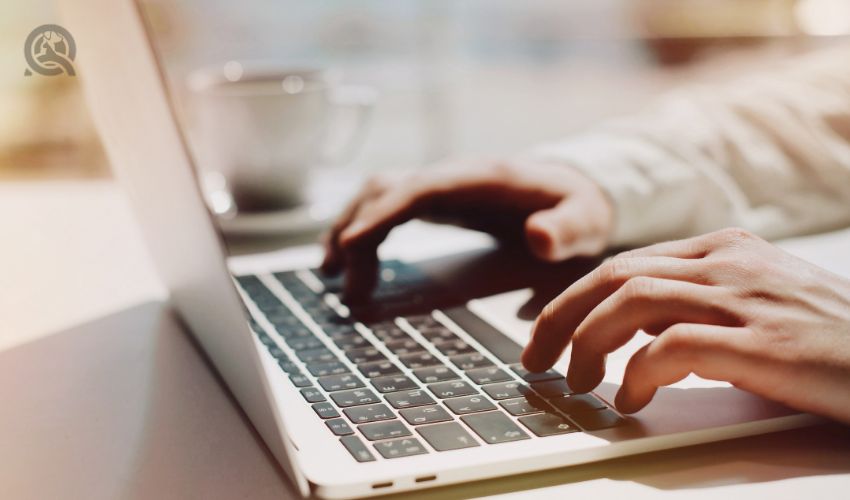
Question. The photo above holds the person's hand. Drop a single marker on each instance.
(725, 306)
(559, 212)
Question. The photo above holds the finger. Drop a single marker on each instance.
(361, 276)
(332, 263)
(709, 351)
(333, 259)
(564, 231)
(555, 326)
(358, 242)
(689, 248)
(642, 304)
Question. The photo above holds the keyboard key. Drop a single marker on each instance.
(293, 332)
(341, 382)
(409, 399)
(354, 397)
(433, 374)
(288, 366)
(469, 404)
(322, 369)
(505, 390)
(488, 375)
(401, 347)
(398, 448)
(304, 343)
(370, 413)
(339, 427)
(423, 321)
(419, 360)
(325, 410)
(448, 436)
(346, 342)
(425, 415)
(454, 347)
(388, 331)
(378, 369)
(357, 449)
(552, 388)
(578, 403)
(320, 355)
(547, 424)
(277, 353)
(282, 317)
(299, 380)
(501, 346)
(598, 419)
(364, 355)
(452, 388)
(393, 383)
(470, 361)
(265, 339)
(384, 430)
(494, 427)
(535, 377)
(439, 335)
(338, 331)
(526, 405)
(312, 395)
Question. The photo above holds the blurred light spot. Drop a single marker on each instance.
(823, 17)
(218, 197)
(293, 84)
(233, 71)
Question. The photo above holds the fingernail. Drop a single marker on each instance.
(351, 231)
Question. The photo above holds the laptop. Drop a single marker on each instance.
(422, 389)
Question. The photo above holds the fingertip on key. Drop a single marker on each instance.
(627, 404)
(532, 361)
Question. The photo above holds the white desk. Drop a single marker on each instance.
(146, 419)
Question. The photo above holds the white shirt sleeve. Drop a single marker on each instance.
(770, 154)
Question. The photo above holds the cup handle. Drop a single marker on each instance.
(352, 109)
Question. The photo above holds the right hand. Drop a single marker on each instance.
(558, 211)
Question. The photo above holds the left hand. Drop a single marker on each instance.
(725, 306)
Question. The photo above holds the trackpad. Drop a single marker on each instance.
(691, 404)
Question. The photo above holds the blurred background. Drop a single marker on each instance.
(455, 77)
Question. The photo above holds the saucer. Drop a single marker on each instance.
(295, 220)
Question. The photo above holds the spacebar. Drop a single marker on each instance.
(488, 336)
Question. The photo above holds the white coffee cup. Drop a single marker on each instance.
(258, 130)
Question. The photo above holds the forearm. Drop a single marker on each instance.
(770, 154)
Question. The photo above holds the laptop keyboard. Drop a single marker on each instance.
(414, 384)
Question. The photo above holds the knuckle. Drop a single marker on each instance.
(735, 236)
(639, 289)
(676, 340)
(614, 271)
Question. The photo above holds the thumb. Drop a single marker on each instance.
(564, 231)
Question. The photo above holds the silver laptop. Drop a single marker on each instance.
(363, 402)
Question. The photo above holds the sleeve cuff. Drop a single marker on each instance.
(652, 197)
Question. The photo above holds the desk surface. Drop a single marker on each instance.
(72, 253)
